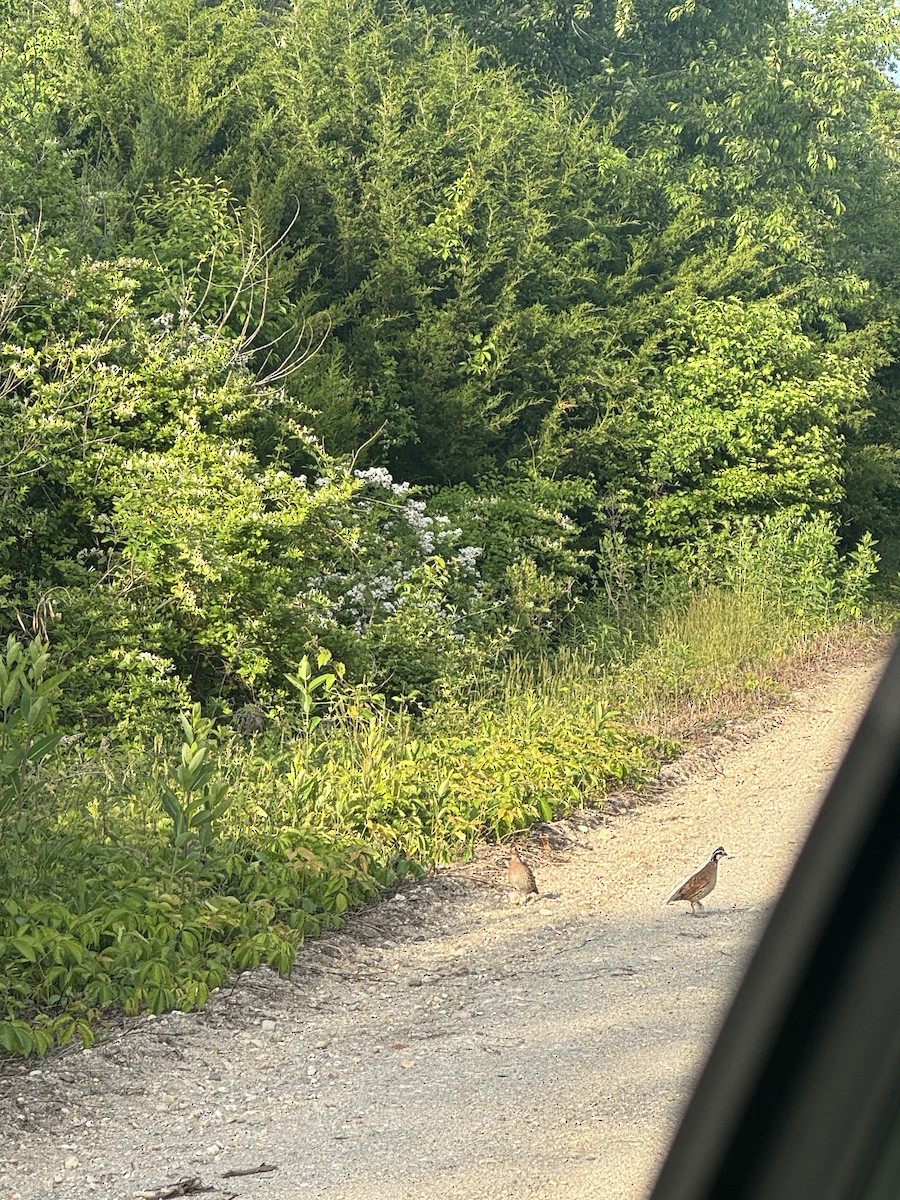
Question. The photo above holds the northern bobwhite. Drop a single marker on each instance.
(520, 876)
(700, 884)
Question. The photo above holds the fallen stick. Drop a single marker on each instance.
(182, 1187)
(262, 1169)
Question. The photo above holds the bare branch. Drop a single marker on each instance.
(366, 444)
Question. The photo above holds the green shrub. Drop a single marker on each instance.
(27, 697)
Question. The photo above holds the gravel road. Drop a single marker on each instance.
(451, 1043)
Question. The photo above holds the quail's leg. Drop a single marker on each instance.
(696, 908)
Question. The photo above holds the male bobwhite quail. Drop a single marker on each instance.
(520, 876)
(701, 883)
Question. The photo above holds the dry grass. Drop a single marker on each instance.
(721, 657)
(727, 658)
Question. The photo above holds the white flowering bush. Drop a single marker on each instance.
(403, 599)
(424, 586)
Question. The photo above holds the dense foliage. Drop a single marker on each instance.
(596, 278)
(413, 341)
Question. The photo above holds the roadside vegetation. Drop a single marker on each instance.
(413, 420)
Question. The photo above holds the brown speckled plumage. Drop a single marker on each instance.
(700, 884)
(520, 876)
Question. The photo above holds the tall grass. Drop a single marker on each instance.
(721, 653)
(707, 651)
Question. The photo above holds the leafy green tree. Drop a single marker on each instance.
(750, 418)
(38, 167)
(169, 87)
(471, 233)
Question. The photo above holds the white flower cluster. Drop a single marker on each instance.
(468, 557)
(163, 665)
(428, 529)
(396, 534)
(362, 601)
(382, 477)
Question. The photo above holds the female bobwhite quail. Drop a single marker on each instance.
(520, 876)
(701, 883)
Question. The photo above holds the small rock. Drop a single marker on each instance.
(71, 1163)
(268, 1026)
